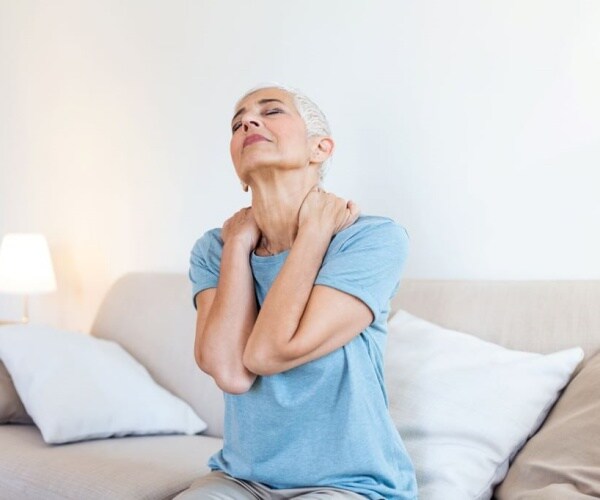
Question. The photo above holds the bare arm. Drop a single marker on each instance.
(298, 321)
(226, 316)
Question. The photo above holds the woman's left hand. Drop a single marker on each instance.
(327, 210)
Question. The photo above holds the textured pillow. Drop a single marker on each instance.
(76, 387)
(12, 410)
(562, 460)
(464, 406)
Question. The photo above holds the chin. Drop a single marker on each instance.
(259, 163)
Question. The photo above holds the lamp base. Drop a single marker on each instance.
(9, 322)
(25, 318)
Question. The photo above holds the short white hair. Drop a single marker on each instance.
(314, 119)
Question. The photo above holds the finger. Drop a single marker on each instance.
(354, 208)
(347, 221)
(353, 212)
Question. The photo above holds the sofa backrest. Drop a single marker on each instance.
(153, 317)
(530, 315)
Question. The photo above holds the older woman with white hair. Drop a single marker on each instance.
(292, 297)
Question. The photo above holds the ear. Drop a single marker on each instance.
(321, 149)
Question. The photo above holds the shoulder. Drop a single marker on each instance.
(369, 229)
(209, 242)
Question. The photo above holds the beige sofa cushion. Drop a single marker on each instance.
(11, 406)
(144, 467)
(563, 459)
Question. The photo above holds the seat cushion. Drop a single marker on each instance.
(141, 467)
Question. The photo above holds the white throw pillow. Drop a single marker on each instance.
(76, 387)
(463, 406)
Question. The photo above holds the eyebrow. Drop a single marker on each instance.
(262, 101)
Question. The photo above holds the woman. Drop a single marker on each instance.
(293, 297)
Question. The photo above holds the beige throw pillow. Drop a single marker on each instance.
(562, 460)
(12, 410)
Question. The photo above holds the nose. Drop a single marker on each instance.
(250, 117)
(246, 122)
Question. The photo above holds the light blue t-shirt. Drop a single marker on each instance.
(326, 422)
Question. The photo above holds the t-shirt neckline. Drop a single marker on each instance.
(269, 258)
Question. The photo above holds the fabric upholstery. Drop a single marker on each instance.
(150, 314)
(152, 317)
(537, 316)
(77, 386)
(140, 467)
(465, 406)
(11, 406)
(563, 458)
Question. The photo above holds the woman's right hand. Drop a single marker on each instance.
(242, 227)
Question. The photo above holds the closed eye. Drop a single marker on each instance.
(269, 112)
(274, 110)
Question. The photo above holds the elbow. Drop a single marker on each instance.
(260, 363)
(251, 364)
(235, 385)
(226, 379)
(201, 362)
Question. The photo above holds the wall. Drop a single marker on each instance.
(474, 124)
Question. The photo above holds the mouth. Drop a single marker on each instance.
(251, 139)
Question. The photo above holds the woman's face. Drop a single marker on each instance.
(269, 113)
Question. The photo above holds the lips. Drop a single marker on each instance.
(251, 139)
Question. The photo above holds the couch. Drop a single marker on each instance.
(151, 315)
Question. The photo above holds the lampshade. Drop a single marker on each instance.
(25, 264)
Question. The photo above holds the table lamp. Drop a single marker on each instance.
(26, 266)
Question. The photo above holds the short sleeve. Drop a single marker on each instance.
(369, 265)
(203, 273)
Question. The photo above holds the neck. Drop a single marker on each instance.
(276, 203)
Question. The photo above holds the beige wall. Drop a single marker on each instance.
(474, 124)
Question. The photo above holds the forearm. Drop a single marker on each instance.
(286, 300)
(230, 321)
